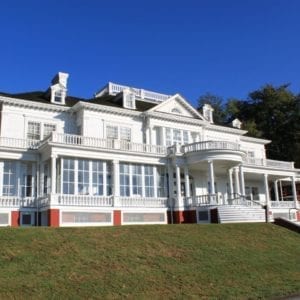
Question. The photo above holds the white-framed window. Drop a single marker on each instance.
(34, 130)
(176, 136)
(97, 169)
(149, 181)
(125, 134)
(112, 132)
(137, 183)
(161, 178)
(124, 180)
(9, 179)
(26, 180)
(58, 96)
(83, 177)
(118, 132)
(48, 128)
(86, 177)
(129, 100)
(68, 176)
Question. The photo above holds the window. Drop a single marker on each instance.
(149, 181)
(185, 137)
(34, 131)
(129, 101)
(124, 180)
(108, 180)
(26, 180)
(176, 111)
(168, 137)
(97, 177)
(137, 184)
(58, 96)
(161, 182)
(83, 177)
(125, 133)
(112, 132)
(9, 179)
(176, 136)
(68, 176)
(46, 188)
(48, 128)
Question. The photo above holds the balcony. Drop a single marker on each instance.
(107, 144)
(8, 142)
(282, 204)
(210, 145)
(277, 164)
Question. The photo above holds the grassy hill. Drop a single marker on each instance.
(241, 261)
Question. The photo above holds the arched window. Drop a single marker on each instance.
(176, 111)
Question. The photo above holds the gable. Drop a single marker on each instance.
(177, 105)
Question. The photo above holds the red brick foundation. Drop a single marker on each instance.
(179, 217)
(15, 218)
(117, 218)
(53, 217)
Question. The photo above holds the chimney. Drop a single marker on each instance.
(236, 123)
(208, 113)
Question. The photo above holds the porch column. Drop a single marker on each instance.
(42, 176)
(178, 186)
(230, 183)
(294, 191)
(53, 174)
(116, 180)
(187, 182)
(236, 181)
(211, 175)
(242, 180)
(276, 190)
(267, 196)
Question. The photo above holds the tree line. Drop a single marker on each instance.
(270, 112)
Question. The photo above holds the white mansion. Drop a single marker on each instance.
(132, 156)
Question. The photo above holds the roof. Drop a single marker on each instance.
(41, 97)
(107, 100)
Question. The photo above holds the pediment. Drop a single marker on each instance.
(177, 105)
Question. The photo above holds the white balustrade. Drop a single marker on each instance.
(142, 202)
(19, 143)
(10, 201)
(282, 204)
(70, 139)
(210, 145)
(269, 163)
(81, 200)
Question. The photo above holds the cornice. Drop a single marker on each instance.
(254, 140)
(32, 104)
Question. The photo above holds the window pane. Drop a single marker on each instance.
(33, 131)
(111, 132)
(125, 133)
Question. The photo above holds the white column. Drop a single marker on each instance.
(276, 190)
(150, 135)
(236, 181)
(211, 175)
(116, 178)
(163, 136)
(155, 181)
(171, 181)
(267, 196)
(178, 186)
(294, 191)
(53, 174)
(187, 182)
(105, 178)
(33, 176)
(230, 182)
(242, 180)
(42, 178)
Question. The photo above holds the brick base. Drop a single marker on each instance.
(15, 218)
(53, 217)
(117, 218)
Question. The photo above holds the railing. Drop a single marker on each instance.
(10, 201)
(114, 89)
(19, 143)
(142, 202)
(219, 199)
(282, 204)
(81, 200)
(79, 140)
(269, 163)
(210, 145)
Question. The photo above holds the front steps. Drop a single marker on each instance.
(240, 214)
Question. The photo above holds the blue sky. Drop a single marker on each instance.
(228, 48)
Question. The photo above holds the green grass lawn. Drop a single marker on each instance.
(240, 261)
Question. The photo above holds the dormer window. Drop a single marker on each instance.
(58, 96)
(128, 99)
